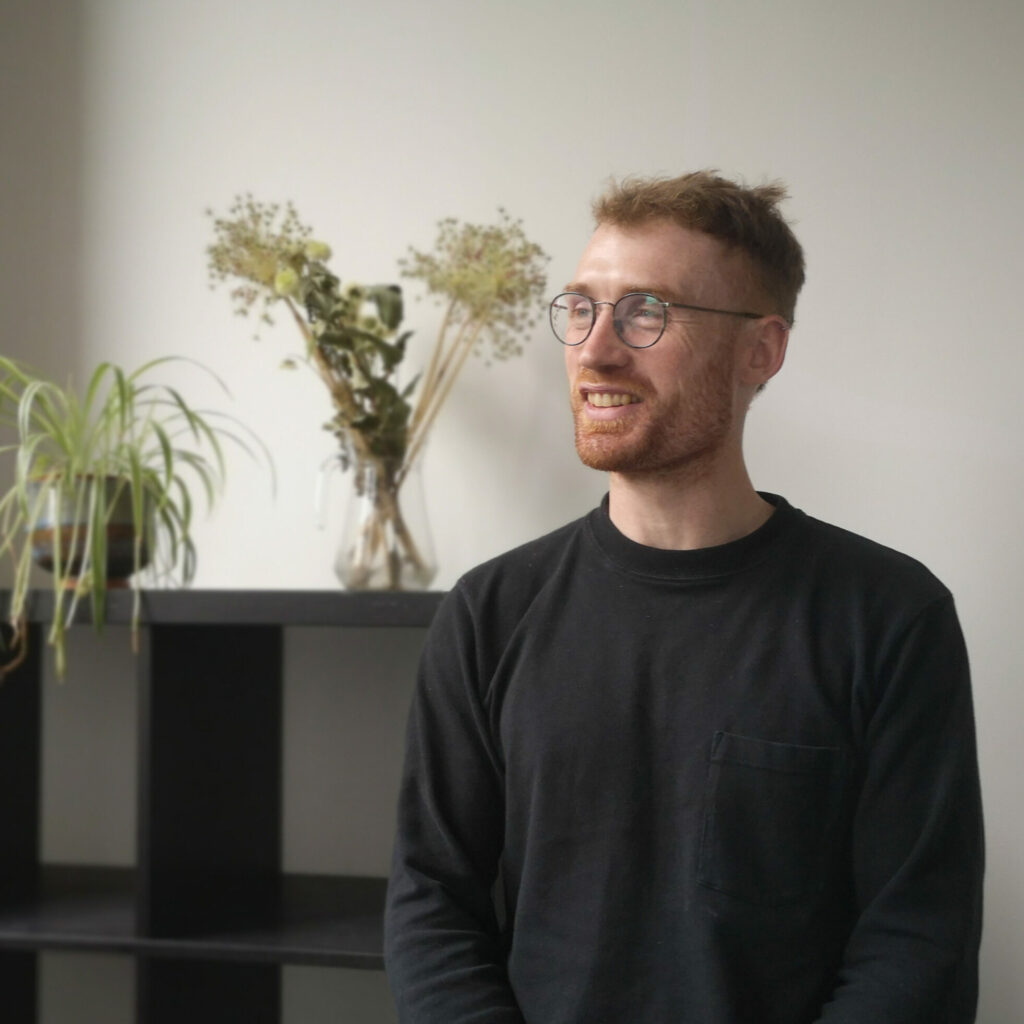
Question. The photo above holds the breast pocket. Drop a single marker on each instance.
(769, 814)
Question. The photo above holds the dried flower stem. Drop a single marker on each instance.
(341, 394)
(427, 382)
(432, 398)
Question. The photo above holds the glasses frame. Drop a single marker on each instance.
(647, 295)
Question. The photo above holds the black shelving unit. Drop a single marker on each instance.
(206, 912)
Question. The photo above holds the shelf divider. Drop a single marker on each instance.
(198, 992)
(210, 786)
(20, 744)
(209, 815)
(18, 985)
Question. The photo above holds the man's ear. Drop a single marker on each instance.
(763, 350)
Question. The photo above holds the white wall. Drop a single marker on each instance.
(899, 127)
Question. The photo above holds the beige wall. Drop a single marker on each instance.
(899, 127)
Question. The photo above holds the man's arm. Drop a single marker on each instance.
(443, 946)
(917, 843)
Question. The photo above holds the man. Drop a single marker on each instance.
(696, 758)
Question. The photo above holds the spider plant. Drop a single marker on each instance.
(124, 448)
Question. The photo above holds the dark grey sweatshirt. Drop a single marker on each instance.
(736, 785)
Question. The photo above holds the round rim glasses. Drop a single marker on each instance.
(639, 318)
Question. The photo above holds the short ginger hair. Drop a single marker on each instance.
(744, 218)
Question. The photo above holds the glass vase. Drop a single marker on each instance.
(385, 540)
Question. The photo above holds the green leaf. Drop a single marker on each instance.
(388, 300)
(337, 339)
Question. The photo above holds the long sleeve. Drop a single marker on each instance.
(917, 843)
(443, 944)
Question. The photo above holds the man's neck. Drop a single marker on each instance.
(679, 512)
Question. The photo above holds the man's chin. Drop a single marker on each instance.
(609, 455)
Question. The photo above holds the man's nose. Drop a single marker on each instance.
(603, 346)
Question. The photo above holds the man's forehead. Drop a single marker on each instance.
(661, 257)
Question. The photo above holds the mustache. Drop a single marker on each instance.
(627, 382)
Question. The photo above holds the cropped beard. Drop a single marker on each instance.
(688, 432)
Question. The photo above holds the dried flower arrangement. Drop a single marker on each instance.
(490, 280)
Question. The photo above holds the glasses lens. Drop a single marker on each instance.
(572, 316)
(639, 319)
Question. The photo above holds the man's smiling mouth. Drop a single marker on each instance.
(606, 399)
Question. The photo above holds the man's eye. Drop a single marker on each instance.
(580, 311)
(646, 319)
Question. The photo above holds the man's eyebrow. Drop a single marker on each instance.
(659, 291)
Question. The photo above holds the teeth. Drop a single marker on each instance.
(607, 398)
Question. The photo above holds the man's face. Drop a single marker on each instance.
(674, 405)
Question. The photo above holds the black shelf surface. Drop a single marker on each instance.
(324, 921)
(257, 607)
(85, 908)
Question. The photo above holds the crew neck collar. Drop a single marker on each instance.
(697, 563)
